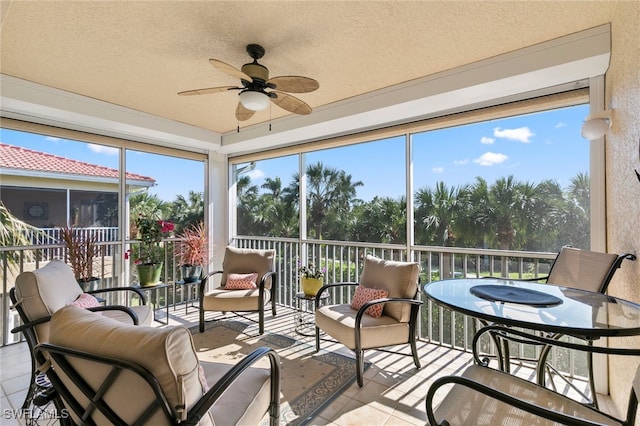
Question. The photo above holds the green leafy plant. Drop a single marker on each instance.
(192, 247)
(13, 232)
(311, 271)
(150, 234)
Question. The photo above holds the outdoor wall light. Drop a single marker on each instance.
(596, 125)
(254, 101)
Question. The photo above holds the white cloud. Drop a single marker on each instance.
(438, 170)
(487, 141)
(256, 174)
(521, 134)
(560, 124)
(101, 149)
(52, 139)
(490, 158)
(460, 162)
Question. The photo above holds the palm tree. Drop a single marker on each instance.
(247, 196)
(381, 220)
(329, 192)
(277, 213)
(147, 205)
(186, 212)
(13, 232)
(330, 197)
(573, 213)
(437, 212)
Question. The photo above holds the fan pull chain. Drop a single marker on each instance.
(270, 116)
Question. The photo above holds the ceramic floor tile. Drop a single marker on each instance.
(393, 394)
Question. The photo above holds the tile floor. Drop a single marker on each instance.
(393, 391)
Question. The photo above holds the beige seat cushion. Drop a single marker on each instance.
(144, 313)
(339, 321)
(168, 353)
(247, 401)
(233, 300)
(399, 278)
(45, 290)
(246, 261)
(464, 406)
(241, 261)
(581, 268)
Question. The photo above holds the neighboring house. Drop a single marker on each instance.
(46, 190)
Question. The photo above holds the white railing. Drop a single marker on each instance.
(343, 262)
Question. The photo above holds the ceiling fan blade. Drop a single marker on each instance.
(290, 103)
(242, 113)
(230, 69)
(294, 84)
(208, 90)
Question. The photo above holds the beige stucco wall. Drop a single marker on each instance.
(623, 189)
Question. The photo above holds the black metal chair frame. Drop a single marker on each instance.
(540, 411)
(358, 350)
(59, 356)
(261, 304)
(545, 412)
(542, 366)
(27, 330)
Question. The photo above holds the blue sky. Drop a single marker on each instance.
(531, 147)
(173, 176)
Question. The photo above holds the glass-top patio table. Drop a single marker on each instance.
(538, 314)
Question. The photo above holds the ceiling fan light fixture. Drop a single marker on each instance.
(254, 101)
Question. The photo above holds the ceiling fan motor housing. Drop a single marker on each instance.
(256, 71)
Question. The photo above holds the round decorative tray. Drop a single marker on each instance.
(506, 293)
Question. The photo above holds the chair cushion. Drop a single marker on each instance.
(220, 299)
(47, 289)
(464, 406)
(399, 278)
(582, 269)
(339, 322)
(246, 261)
(168, 353)
(144, 313)
(241, 281)
(363, 295)
(246, 401)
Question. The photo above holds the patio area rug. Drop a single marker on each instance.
(309, 380)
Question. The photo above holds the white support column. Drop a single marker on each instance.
(598, 198)
(220, 200)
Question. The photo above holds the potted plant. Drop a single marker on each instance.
(81, 252)
(311, 278)
(150, 257)
(192, 250)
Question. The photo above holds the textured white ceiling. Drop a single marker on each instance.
(140, 54)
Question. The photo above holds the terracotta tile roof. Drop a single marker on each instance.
(18, 158)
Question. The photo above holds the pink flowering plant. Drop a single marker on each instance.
(150, 233)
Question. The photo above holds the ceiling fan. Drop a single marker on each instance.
(258, 89)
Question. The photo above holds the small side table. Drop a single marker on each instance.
(304, 318)
(154, 299)
(189, 287)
